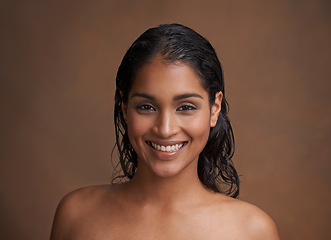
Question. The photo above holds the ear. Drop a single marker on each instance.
(123, 106)
(215, 109)
(124, 110)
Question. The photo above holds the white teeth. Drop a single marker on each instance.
(169, 148)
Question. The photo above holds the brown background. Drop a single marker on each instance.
(58, 65)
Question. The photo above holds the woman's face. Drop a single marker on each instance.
(168, 116)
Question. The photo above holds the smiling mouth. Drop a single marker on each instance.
(169, 148)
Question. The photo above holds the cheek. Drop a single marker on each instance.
(137, 126)
(199, 127)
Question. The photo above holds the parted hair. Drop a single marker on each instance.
(178, 43)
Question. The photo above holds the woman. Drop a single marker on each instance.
(175, 146)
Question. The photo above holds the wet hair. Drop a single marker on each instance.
(175, 43)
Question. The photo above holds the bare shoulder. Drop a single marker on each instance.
(76, 206)
(250, 221)
(257, 223)
(86, 198)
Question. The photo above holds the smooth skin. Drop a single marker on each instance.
(167, 106)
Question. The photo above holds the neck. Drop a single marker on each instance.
(147, 188)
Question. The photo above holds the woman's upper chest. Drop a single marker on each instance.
(128, 223)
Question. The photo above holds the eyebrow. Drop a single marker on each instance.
(143, 95)
(176, 98)
(187, 95)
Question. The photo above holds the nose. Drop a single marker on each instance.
(166, 125)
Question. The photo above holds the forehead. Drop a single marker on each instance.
(160, 78)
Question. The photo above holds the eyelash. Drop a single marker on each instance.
(145, 107)
(150, 108)
(186, 108)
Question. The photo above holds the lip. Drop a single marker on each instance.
(166, 155)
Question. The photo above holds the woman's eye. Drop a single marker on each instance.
(145, 107)
(186, 108)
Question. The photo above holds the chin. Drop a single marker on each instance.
(168, 170)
